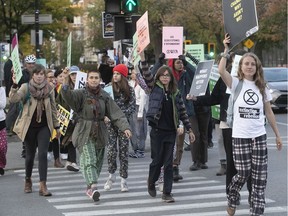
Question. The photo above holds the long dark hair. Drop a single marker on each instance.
(122, 87)
(172, 87)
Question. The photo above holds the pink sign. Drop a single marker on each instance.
(172, 41)
(143, 32)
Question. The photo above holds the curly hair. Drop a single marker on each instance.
(258, 76)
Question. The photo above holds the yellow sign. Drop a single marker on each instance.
(64, 117)
(248, 43)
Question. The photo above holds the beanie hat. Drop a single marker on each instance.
(73, 69)
(122, 69)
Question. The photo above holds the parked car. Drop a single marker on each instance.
(277, 79)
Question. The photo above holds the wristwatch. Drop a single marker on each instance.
(225, 55)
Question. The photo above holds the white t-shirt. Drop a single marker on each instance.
(249, 118)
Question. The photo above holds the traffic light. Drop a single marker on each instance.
(211, 49)
(113, 6)
(130, 6)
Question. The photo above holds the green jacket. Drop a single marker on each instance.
(80, 101)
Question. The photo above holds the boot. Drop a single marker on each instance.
(58, 163)
(43, 189)
(176, 175)
(28, 185)
(222, 170)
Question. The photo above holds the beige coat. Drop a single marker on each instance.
(24, 119)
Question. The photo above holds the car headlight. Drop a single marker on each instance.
(275, 94)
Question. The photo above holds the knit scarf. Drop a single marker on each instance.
(94, 101)
(40, 92)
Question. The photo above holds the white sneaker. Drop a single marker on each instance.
(160, 186)
(72, 167)
(64, 156)
(124, 186)
(109, 182)
(49, 156)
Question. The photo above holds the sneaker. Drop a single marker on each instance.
(151, 189)
(231, 211)
(141, 154)
(64, 156)
(109, 182)
(72, 167)
(195, 166)
(203, 166)
(124, 186)
(93, 193)
(167, 198)
(161, 186)
(133, 154)
(49, 156)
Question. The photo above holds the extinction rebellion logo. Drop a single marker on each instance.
(250, 98)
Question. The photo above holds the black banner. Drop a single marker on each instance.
(240, 19)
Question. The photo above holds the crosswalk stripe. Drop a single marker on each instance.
(194, 193)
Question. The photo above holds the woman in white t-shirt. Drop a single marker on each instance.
(249, 134)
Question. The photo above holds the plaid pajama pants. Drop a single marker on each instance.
(250, 159)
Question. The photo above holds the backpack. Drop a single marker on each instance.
(231, 101)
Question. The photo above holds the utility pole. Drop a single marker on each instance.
(37, 45)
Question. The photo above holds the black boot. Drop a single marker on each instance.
(176, 175)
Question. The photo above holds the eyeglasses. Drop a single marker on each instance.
(165, 75)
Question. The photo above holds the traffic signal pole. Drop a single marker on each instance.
(37, 45)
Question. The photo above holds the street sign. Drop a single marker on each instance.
(249, 43)
(30, 19)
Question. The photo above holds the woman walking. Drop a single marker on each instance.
(90, 135)
(124, 97)
(165, 110)
(248, 133)
(35, 123)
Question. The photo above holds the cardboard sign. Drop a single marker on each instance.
(15, 59)
(63, 117)
(172, 41)
(201, 78)
(240, 20)
(142, 29)
(196, 50)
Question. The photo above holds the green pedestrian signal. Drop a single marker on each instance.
(130, 6)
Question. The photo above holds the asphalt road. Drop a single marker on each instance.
(201, 193)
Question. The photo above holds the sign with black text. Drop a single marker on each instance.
(240, 20)
(201, 78)
(107, 25)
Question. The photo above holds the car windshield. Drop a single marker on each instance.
(275, 74)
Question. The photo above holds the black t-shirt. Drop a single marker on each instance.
(166, 121)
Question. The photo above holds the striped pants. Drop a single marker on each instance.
(91, 161)
(250, 159)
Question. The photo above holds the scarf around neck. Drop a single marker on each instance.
(40, 92)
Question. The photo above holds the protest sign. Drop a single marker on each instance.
(201, 78)
(240, 20)
(142, 29)
(172, 41)
(15, 58)
(196, 50)
(63, 117)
